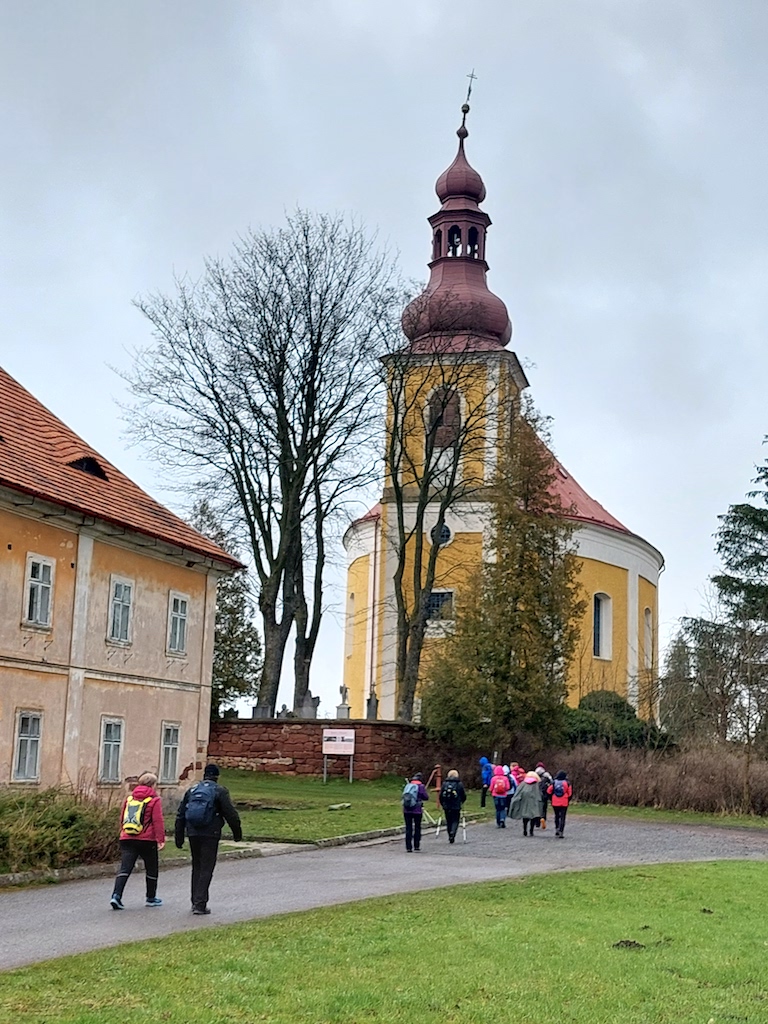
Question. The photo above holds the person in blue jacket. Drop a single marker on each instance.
(486, 773)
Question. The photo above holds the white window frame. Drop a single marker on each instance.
(107, 720)
(124, 581)
(20, 714)
(171, 776)
(605, 652)
(177, 652)
(29, 583)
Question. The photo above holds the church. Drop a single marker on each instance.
(459, 324)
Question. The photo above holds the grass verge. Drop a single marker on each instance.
(651, 945)
(664, 817)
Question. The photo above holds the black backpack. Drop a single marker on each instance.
(449, 795)
(201, 805)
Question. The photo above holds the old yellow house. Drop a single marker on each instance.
(457, 333)
(107, 610)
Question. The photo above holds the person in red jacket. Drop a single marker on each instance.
(560, 793)
(142, 834)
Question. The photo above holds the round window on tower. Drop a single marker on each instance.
(441, 536)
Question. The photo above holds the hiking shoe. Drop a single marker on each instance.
(200, 910)
(116, 903)
(154, 901)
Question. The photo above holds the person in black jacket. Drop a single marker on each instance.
(201, 815)
(452, 796)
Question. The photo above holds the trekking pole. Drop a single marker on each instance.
(464, 826)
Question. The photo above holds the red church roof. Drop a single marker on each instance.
(583, 509)
(42, 457)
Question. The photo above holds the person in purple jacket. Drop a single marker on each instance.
(414, 795)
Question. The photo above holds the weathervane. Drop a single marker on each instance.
(465, 106)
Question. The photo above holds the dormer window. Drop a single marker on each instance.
(454, 241)
(89, 465)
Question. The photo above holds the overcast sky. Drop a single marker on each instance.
(623, 145)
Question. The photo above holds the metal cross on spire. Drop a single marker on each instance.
(465, 106)
(471, 76)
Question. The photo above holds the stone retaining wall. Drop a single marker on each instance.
(290, 747)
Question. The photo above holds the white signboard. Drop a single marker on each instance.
(339, 741)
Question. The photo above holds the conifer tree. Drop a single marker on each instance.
(237, 645)
(504, 668)
(742, 544)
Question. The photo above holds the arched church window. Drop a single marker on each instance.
(473, 249)
(602, 626)
(444, 420)
(454, 241)
(437, 245)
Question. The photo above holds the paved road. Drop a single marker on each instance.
(42, 923)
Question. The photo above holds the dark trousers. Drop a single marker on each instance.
(483, 795)
(412, 831)
(544, 805)
(533, 822)
(130, 851)
(500, 803)
(452, 822)
(204, 851)
(559, 818)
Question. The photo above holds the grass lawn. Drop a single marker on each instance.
(297, 809)
(670, 817)
(679, 944)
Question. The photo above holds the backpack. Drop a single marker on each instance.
(558, 787)
(449, 795)
(201, 805)
(410, 796)
(133, 816)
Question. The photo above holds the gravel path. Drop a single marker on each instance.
(43, 923)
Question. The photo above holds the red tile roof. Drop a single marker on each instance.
(36, 450)
(582, 508)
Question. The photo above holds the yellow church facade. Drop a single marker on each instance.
(459, 330)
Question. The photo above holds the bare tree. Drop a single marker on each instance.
(262, 379)
(441, 402)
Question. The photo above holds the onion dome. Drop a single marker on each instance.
(457, 311)
(460, 180)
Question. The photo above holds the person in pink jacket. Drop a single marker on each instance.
(498, 789)
(142, 834)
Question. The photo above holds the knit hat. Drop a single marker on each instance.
(541, 765)
(531, 777)
(417, 777)
(561, 775)
(540, 769)
(453, 774)
(211, 771)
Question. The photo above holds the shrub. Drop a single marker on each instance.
(54, 829)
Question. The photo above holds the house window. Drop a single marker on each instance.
(440, 605)
(120, 608)
(26, 763)
(169, 755)
(648, 639)
(111, 749)
(602, 624)
(38, 605)
(178, 607)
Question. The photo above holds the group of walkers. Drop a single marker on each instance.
(525, 795)
(200, 818)
(516, 794)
